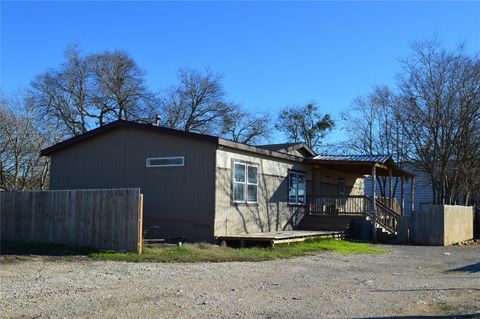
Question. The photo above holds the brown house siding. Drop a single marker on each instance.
(272, 211)
(178, 201)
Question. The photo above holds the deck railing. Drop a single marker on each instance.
(337, 205)
(354, 205)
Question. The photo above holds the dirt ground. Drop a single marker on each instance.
(405, 282)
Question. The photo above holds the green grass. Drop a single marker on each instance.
(198, 252)
(446, 307)
(213, 253)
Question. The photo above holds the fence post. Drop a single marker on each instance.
(140, 224)
(374, 206)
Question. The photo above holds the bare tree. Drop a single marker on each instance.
(21, 167)
(241, 126)
(118, 87)
(197, 103)
(90, 90)
(61, 94)
(372, 128)
(439, 110)
(304, 124)
(431, 120)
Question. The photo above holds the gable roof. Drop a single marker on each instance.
(150, 127)
(122, 123)
(359, 164)
(286, 147)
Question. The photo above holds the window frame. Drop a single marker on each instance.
(148, 165)
(245, 184)
(298, 173)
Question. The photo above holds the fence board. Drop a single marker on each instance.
(97, 218)
(437, 225)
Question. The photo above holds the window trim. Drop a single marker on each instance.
(148, 165)
(245, 183)
(296, 203)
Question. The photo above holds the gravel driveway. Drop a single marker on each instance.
(408, 281)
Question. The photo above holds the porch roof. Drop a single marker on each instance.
(361, 164)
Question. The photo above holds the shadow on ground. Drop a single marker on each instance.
(473, 268)
(425, 289)
(41, 249)
(471, 316)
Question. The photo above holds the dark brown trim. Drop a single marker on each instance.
(219, 142)
(288, 147)
(365, 165)
(301, 145)
(202, 137)
(258, 150)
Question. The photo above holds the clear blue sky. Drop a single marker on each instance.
(271, 54)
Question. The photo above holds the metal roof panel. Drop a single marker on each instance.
(354, 158)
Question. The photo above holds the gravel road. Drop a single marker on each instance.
(407, 281)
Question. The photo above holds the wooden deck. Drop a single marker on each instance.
(277, 237)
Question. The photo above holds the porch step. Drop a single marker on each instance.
(327, 222)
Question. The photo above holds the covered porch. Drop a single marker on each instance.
(383, 210)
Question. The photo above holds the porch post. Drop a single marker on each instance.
(412, 196)
(402, 195)
(390, 187)
(374, 204)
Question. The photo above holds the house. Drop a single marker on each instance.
(199, 186)
(422, 186)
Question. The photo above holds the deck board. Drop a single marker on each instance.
(278, 237)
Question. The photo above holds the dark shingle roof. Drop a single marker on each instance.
(286, 147)
(277, 147)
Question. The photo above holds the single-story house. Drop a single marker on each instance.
(198, 186)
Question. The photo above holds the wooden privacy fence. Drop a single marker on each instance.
(108, 219)
(437, 225)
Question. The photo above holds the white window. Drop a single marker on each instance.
(297, 188)
(245, 183)
(166, 161)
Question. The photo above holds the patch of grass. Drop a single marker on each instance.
(446, 307)
(213, 253)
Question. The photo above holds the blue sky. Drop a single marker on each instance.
(271, 54)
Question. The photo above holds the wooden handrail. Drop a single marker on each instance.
(354, 205)
(386, 217)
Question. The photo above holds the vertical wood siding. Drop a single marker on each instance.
(101, 219)
(178, 201)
